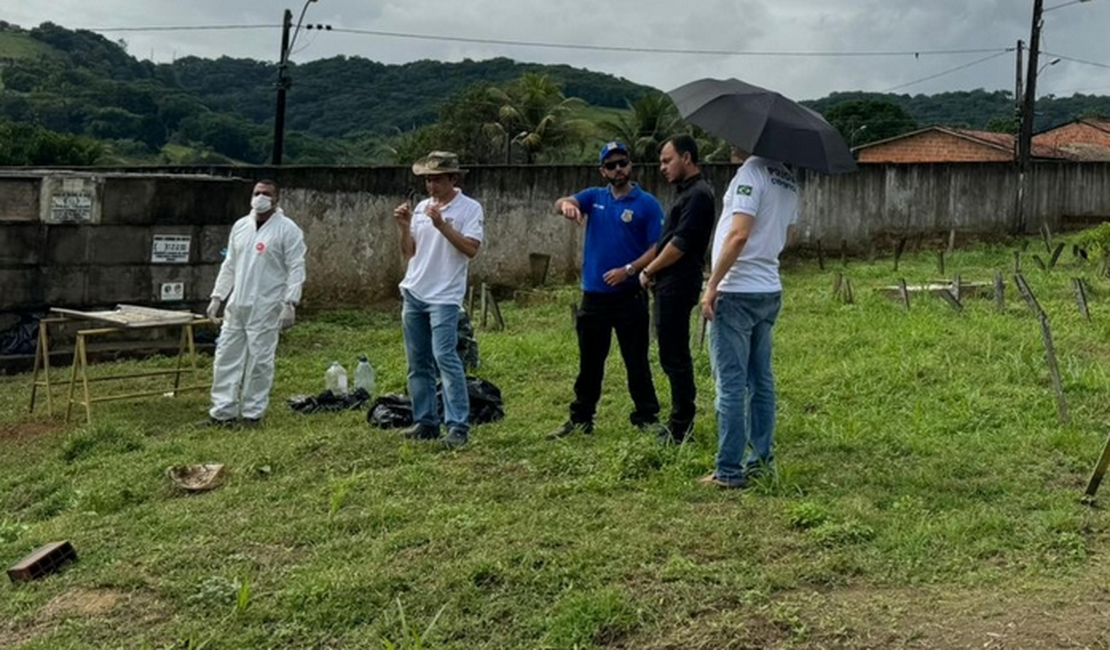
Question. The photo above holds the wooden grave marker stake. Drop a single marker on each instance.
(1100, 471)
(905, 293)
(1054, 370)
(1081, 298)
(485, 305)
(1027, 294)
(1049, 347)
(849, 297)
(898, 250)
(999, 293)
(498, 320)
(951, 299)
(1056, 255)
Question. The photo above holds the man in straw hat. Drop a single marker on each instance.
(438, 239)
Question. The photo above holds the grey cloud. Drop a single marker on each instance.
(786, 25)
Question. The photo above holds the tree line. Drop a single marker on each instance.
(79, 98)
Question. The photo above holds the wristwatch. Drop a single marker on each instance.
(630, 270)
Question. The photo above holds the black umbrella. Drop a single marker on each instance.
(764, 123)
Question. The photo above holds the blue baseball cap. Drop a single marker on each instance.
(610, 148)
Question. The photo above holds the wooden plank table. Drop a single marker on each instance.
(124, 318)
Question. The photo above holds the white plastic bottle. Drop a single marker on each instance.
(335, 379)
(364, 376)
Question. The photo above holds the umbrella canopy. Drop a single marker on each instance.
(764, 123)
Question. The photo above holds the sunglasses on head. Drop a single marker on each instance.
(616, 164)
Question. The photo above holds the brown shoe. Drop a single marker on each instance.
(711, 479)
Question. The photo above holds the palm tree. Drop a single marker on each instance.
(533, 114)
(648, 122)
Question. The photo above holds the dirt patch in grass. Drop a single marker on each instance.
(868, 619)
(123, 609)
(26, 430)
(82, 602)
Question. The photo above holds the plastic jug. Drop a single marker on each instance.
(364, 376)
(335, 379)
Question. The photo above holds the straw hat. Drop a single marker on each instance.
(437, 162)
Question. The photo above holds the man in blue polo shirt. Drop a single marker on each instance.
(622, 224)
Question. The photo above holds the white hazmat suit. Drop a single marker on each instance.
(263, 274)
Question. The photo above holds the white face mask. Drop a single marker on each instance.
(261, 203)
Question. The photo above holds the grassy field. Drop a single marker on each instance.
(926, 497)
(22, 46)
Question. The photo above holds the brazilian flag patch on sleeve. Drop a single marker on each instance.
(744, 190)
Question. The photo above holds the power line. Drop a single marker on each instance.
(177, 28)
(653, 50)
(1075, 60)
(949, 71)
(572, 46)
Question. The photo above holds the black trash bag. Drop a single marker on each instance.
(486, 404)
(392, 411)
(327, 402)
(467, 347)
(23, 336)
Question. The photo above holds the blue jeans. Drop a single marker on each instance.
(431, 338)
(740, 350)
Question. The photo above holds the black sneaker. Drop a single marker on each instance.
(654, 428)
(250, 423)
(421, 431)
(569, 427)
(213, 423)
(677, 432)
(456, 438)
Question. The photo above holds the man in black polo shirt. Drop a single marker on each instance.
(676, 275)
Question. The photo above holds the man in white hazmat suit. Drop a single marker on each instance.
(260, 280)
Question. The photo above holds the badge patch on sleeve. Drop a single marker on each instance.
(626, 216)
(744, 190)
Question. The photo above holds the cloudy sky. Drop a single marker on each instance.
(777, 26)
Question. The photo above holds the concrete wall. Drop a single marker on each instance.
(346, 214)
(108, 261)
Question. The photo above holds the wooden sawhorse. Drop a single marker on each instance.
(79, 369)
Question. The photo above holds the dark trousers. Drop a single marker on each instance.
(673, 304)
(626, 312)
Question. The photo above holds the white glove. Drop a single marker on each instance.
(288, 315)
(213, 308)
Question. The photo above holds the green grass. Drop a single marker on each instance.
(21, 46)
(919, 454)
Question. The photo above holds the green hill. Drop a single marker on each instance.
(79, 82)
(341, 110)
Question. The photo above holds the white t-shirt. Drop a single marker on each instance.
(436, 274)
(766, 190)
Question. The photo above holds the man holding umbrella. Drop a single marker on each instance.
(744, 292)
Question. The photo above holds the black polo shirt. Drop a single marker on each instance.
(689, 226)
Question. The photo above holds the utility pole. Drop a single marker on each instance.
(1026, 135)
(1018, 99)
(1025, 132)
(282, 86)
